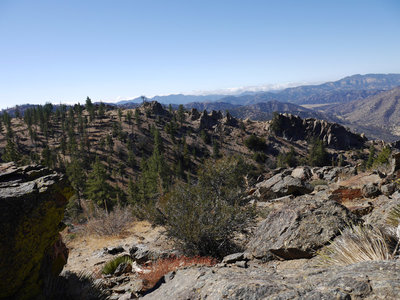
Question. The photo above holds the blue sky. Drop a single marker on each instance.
(63, 51)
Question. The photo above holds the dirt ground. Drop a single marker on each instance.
(86, 253)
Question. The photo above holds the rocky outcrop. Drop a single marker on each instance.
(194, 114)
(302, 226)
(230, 121)
(334, 135)
(366, 280)
(207, 121)
(281, 185)
(155, 108)
(32, 203)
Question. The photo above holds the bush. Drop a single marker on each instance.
(112, 265)
(383, 157)
(287, 159)
(203, 217)
(157, 270)
(357, 244)
(113, 223)
(255, 143)
(260, 157)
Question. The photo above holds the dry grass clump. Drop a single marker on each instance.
(158, 269)
(109, 223)
(74, 286)
(357, 244)
(394, 216)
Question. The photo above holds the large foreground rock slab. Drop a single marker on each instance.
(299, 228)
(366, 280)
(32, 203)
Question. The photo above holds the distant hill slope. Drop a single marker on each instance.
(381, 112)
(344, 90)
(260, 111)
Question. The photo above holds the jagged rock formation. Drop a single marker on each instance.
(207, 121)
(155, 108)
(334, 135)
(299, 228)
(32, 203)
(366, 280)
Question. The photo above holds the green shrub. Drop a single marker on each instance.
(111, 266)
(255, 143)
(203, 217)
(260, 157)
(287, 159)
(383, 157)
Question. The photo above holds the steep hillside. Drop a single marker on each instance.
(124, 139)
(380, 114)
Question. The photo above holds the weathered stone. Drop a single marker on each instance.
(280, 185)
(232, 258)
(123, 268)
(230, 121)
(334, 135)
(370, 190)
(142, 254)
(303, 173)
(115, 250)
(299, 228)
(382, 206)
(395, 162)
(155, 108)
(366, 280)
(208, 121)
(388, 189)
(32, 203)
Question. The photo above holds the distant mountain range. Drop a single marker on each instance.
(341, 91)
(366, 103)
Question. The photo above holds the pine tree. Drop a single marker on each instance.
(371, 156)
(97, 188)
(137, 117)
(11, 153)
(77, 177)
(318, 156)
(90, 108)
(181, 114)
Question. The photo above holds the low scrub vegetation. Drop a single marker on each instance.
(158, 269)
(255, 143)
(101, 222)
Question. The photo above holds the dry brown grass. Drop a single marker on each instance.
(394, 216)
(157, 270)
(357, 244)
